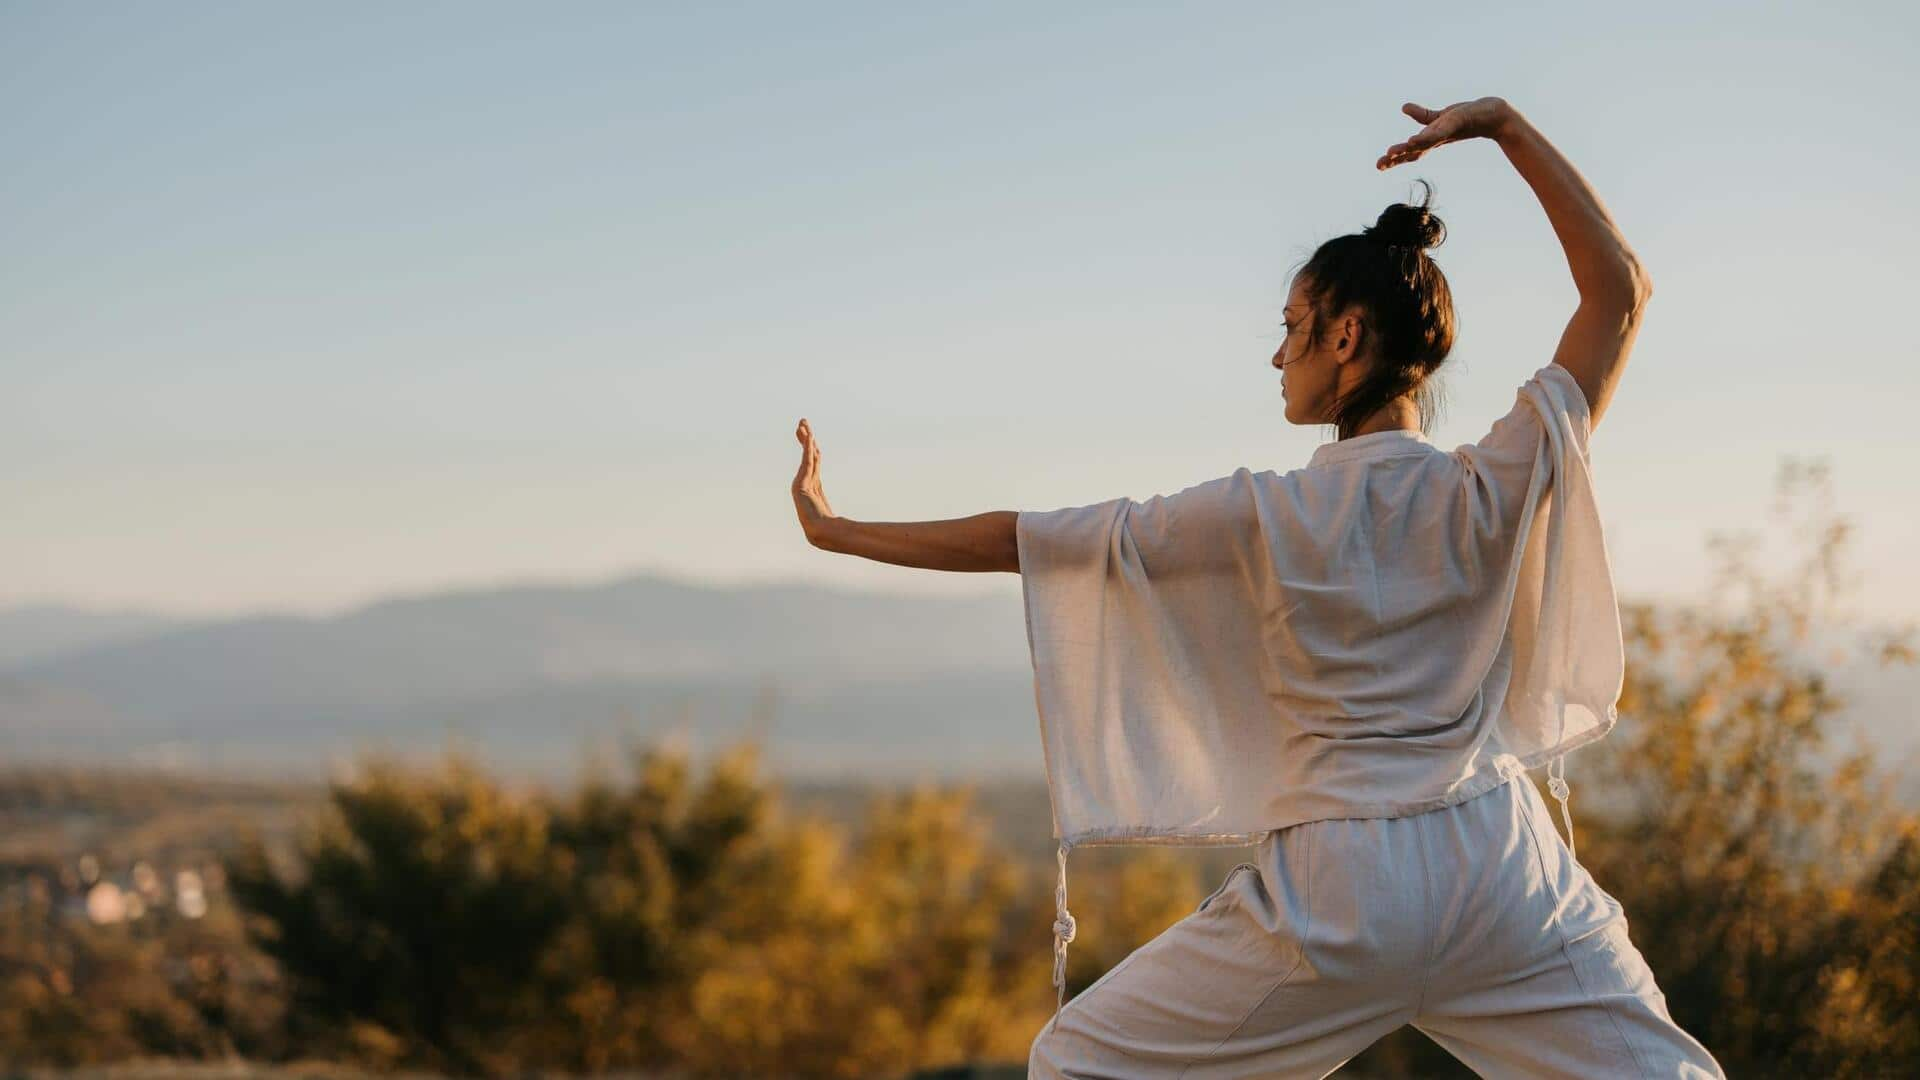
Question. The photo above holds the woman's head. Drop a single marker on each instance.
(1369, 319)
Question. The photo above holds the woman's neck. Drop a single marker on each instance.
(1400, 414)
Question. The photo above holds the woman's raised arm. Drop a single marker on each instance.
(1613, 286)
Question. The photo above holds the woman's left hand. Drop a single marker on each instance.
(808, 497)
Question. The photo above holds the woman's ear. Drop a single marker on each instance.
(1350, 330)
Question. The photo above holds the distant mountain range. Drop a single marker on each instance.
(542, 678)
(837, 681)
(33, 632)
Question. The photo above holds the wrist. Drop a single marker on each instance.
(827, 533)
(1508, 123)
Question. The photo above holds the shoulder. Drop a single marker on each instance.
(1550, 395)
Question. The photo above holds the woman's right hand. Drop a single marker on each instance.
(1481, 118)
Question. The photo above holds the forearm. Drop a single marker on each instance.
(982, 542)
(1604, 266)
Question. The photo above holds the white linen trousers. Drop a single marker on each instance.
(1473, 923)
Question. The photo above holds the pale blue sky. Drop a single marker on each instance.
(303, 304)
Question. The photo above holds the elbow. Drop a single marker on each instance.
(1628, 287)
(1642, 286)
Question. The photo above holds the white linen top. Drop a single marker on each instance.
(1389, 629)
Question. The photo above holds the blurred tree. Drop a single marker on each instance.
(434, 920)
(73, 993)
(1866, 1019)
(423, 910)
(669, 880)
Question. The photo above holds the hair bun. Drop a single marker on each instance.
(1414, 226)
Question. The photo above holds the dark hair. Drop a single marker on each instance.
(1407, 307)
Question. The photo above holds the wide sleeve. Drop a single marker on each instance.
(1529, 522)
(1144, 622)
(1201, 531)
(1504, 460)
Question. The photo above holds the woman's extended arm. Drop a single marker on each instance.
(982, 542)
(979, 543)
(1613, 286)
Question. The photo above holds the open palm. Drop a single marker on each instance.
(809, 497)
(1476, 119)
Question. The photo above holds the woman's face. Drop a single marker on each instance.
(1312, 379)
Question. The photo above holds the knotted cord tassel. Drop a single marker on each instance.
(1557, 785)
(1063, 928)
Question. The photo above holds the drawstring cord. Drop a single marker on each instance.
(1557, 785)
(1063, 928)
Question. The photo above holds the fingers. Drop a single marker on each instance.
(1430, 135)
(1419, 143)
(809, 452)
(1398, 154)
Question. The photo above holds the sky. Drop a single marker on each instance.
(304, 305)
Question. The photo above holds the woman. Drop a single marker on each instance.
(1352, 665)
